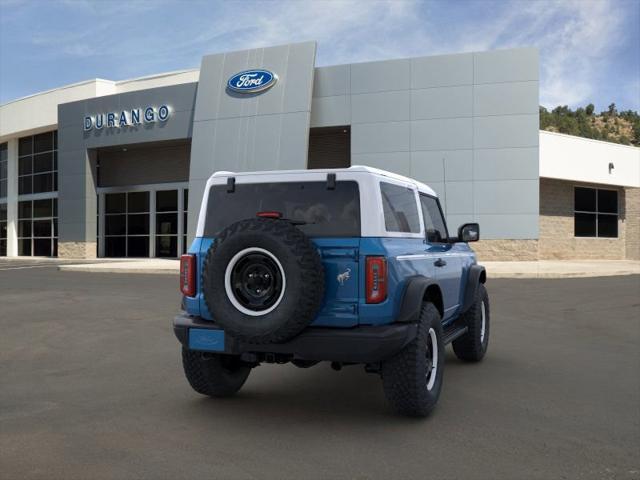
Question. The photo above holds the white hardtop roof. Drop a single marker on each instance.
(353, 169)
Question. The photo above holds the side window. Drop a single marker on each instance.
(400, 209)
(434, 224)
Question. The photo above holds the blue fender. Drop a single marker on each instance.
(477, 275)
(419, 289)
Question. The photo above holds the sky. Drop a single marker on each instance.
(589, 50)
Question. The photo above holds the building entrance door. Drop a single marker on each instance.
(145, 222)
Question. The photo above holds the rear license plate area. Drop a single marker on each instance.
(206, 339)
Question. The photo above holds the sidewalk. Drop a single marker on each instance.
(540, 269)
(561, 268)
(152, 265)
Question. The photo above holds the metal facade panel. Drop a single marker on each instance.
(476, 111)
(497, 66)
(255, 131)
(520, 226)
(381, 107)
(331, 111)
(442, 102)
(506, 197)
(506, 131)
(381, 137)
(442, 71)
(505, 163)
(432, 165)
(380, 76)
(442, 134)
(332, 81)
(511, 98)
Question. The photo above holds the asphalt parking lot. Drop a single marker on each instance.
(91, 387)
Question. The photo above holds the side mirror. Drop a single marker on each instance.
(469, 232)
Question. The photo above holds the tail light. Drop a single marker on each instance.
(376, 279)
(188, 275)
(269, 215)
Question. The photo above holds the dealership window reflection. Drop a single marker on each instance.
(38, 163)
(126, 228)
(167, 223)
(3, 229)
(3, 198)
(143, 223)
(38, 228)
(4, 164)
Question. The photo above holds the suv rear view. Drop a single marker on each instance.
(310, 266)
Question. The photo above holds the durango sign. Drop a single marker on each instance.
(127, 118)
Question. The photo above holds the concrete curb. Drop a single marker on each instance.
(148, 267)
(109, 269)
(559, 275)
(562, 269)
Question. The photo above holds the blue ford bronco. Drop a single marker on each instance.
(350, 266)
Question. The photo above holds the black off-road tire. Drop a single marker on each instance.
(214, 375)
(303, 271)
(472, 346)
(404, 376)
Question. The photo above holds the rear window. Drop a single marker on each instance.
(321, 211)
(400, 208)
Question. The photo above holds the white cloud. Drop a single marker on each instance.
(575, 37)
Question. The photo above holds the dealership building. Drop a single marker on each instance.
(118, 168)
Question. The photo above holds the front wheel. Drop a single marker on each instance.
(214, 375)
(412, 379)
(472, 346)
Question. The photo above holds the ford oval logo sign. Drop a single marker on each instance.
(252, 81)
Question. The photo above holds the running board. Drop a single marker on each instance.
(453, 332)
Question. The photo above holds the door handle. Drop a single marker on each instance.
(440, 263)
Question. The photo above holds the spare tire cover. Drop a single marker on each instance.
(263, 280)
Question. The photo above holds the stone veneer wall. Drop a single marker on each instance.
(505, 250)
(77, 250)
(557, 240)
(632, 196)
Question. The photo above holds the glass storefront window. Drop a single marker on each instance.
(4, 162)
(3, 229)
(38, 164)
(143, 223)
(38, 228)
(167, 223)
(126, 224)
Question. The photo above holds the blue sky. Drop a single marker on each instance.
(589, 50)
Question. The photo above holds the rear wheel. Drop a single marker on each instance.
(412, 379)
(214, 375)
(472, 346)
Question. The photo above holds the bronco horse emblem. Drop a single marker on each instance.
(344, 276)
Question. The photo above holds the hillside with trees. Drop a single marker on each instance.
(609, 125)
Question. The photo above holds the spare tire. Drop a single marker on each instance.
(263, 280)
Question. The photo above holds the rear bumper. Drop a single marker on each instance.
(367, 344)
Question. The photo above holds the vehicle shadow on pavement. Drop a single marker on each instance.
(288, 395)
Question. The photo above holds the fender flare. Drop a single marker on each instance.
(476, 276)
(413, 297)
